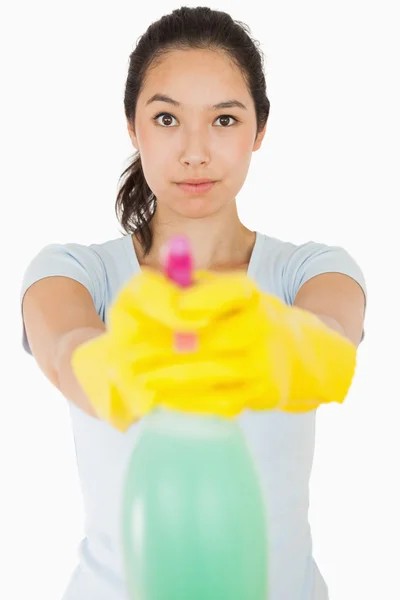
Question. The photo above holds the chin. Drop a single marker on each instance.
(198, 208)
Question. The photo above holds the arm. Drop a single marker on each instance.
(59, 315)
(337, 300)
(295, 362)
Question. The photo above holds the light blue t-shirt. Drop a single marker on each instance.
(282, 443)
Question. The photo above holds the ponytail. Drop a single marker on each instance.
(135, 204)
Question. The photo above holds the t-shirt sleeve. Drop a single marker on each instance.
(75, 261)
(310, 259)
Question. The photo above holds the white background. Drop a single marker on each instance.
(327, 171)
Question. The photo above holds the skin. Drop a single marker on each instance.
(193, 141)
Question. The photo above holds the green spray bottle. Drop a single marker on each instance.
(193, 518)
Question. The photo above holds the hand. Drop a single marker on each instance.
(139, 366)
(226, 312)
(253, 352)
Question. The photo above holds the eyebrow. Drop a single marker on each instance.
(226, 104)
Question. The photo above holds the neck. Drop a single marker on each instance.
(220, 242)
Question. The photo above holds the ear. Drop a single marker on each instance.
(132, 135)
(259, 138)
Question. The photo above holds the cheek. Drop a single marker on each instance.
(157, 168)
(147, 141)
(153, 155)
(236, 155)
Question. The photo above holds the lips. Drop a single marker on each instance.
(196, 188)
(196, 181)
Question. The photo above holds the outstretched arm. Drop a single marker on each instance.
(337, 300)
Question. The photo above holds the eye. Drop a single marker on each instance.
(228, 117)
(169, 115)
(163, 115)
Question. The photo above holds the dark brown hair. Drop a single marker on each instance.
(185, 28)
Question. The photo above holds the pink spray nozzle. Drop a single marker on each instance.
(179, 262)
(179, 269)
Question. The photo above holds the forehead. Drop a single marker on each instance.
(195, 77)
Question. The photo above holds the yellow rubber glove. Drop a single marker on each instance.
(253, 352)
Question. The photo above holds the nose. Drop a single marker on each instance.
(195, 150)
(194, 161)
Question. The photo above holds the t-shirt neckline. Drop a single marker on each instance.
(251, 269)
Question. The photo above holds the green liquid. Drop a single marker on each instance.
(193, 512)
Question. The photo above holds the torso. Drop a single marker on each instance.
(282, 445)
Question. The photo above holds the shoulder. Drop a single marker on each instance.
(89, 264)
(297, 263)
(101, 268)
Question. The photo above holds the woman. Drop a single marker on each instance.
(196, 109)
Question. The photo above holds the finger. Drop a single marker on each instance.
(217, 296)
